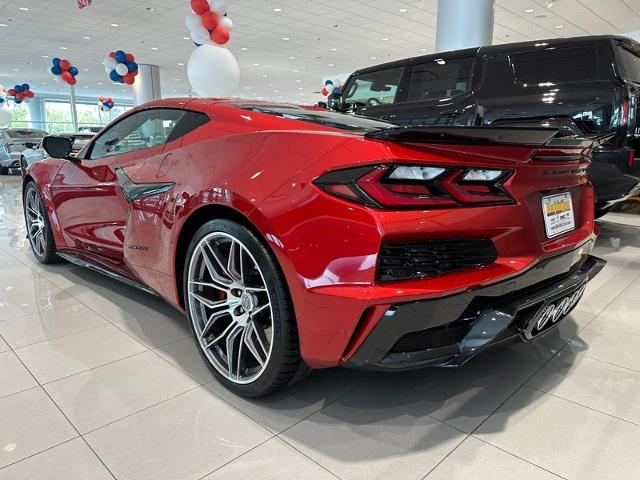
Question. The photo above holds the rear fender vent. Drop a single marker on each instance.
(416, 260)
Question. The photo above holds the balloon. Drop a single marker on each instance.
(226, 23)
(219, 6)
(112, 54)
(130, 57)
(74, 71)
(114, 76)
(56, 70)
(200, 6)
(213, 71)
(210, 20)
(129, 79)
(30, 94)
(72, 80)
(122, 69)
(132, 66)
(56, 61)
(5, 116)
(110, 63)
(324, 92)
(19, 88)
(327, 83)
(192, 21)
(201, 37)
(120, 56)
(12, 92)
(67, 77)
(220, 36)
(65, 65)
(17, 101)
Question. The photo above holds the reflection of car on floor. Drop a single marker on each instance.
(36, 153)
(13, 141)
(296, 238)
(581, 86)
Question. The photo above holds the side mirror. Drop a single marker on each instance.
(58, 147)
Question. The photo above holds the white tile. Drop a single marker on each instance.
(184, 355)
(184, 438)
(64, 356)
(25, 284)
(30, 423)
(154, 327)
(608, 345)
(515, 361)
(49, 324)
(595, 384)
(477, 460)
(565, 438)
(462, 397)
(283, 409)
(370, 437)
(73, 460)
(14, 377)
(3, 345)
(621, 316)
(25, 303)
(273, 460)
(93, 398)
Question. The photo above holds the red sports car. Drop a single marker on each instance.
(298, 239)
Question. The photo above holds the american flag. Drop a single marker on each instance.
(84, 3)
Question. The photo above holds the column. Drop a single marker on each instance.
(464, 24)
(147, 85)
(74, 109)
(36, 114)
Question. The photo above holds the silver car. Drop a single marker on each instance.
(13, 141)
(35, 153)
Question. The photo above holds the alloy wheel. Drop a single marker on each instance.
(35, 222)
(230, 307)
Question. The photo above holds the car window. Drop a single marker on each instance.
(145, 129)
(440, 78)
(557, 65)
(630, 59)
(374, 88)
(26, 133)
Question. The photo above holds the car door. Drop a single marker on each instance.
(89, 202)
(439, 92)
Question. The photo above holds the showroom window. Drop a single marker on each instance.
(58, 116)
(374, 88)
(141, 130)
(440, 78)
(567, 64)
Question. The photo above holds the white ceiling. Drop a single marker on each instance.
(324, 38)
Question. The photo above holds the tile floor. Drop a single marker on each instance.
(100, 381)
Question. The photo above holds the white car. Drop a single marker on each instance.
(14, 141)
(35, 153)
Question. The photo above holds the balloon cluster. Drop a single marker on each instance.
(105, 103)
(63, 72)
(21, 93)
(209, 24)
(121, 67)
(330, 87)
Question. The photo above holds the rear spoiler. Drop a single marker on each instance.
(513, 136)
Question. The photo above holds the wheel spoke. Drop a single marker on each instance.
(248, 340)
(222, 336)
(213, 257)
(223, 287)
(259, 309)
(233, 268)
(223, 308)
(232, 355)
(205, 301)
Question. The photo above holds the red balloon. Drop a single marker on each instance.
(112, 54)
(66, 76)
(130, 57)
(65, 65)
(325, 92)
(200, 6)
(30, 94)
(210, 20)
(135, 74)
(129, 78)
(12, 92)
(220, 36)
(20, 96)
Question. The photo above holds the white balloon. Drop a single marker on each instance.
(59, 80)
(219, 6)
(226, 22)
(193, 20)
(122, 69)
(5, 116)
(110, 63)
(213, 71)
(202, 38)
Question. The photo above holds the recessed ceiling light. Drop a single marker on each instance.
(24, 9)
(247, 88)
(154, 48)
(100, 83)
(529, 10)
(276, 91)
(244, 49)
(332, 65)
(337, 26)
(384, 39)
(277, 9)
(181, 64)
(404, 10)
(334, 49)
(256, 64)
(549, 3)
(16, 70)
(271, 84)
(373, 58)
(186, 38)
(64, 48)
(286, 39)
(295, 71)
(300, 88)
(292, 58)
(178, 80)
(298, 81)
(86, 38)
(264, 75)
(115, 25)
(45, 56)
(149, 9)
(559, 26)
(85, 69)
(3, 25)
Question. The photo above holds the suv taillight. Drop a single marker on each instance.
(418, 186)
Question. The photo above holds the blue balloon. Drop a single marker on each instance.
(56, 70)
(328, 82)
(114, 76)
(132, 66)
(56, 61)
(25, 86)
(17, 101)
(73, 71)
(121, 57)
(19, 89)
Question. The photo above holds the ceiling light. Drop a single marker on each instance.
(286, 39)
(16, 70)
(154, 48)
(332, 65)
(337, 26)
(86, 38)
(334, 49)
(300, 88)
(244, 49)
(181, 64)
(3, 25)
(247, 88)
(264, 75)
(404, 10)
(277, 9)
(298, 81)
(149, 9)
(115, 25)
(385, 39)
(549, 3)
(256, 64)
(529, 10)
(559, 26)
(24, 9)
(45, 56)
(64, 48)
(186, 38)
(292, 58)
(276, 91)
(100, 83)
(373, 58)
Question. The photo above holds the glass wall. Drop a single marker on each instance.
(58, 115)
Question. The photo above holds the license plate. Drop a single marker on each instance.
(558, 214)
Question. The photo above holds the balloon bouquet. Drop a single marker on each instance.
(121, 67)
(213, 71)
(63, 72)
(331, 88)
(21, 93)
(105, 104)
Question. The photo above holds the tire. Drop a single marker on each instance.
(23, 166)
(4, 170)
(246, 297)
(37, 221)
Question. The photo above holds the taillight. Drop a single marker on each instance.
(418, 186)
(624, 121)
(632, 160)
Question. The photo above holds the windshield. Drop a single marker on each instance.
(328, 119)
(26, 133)
(373, 88)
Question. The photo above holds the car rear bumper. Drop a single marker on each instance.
(449, 331)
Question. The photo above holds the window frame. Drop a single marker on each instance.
(447, 58)
(400, 89)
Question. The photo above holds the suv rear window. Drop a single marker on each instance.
(556, 66)
(374, 88)
(630, 60)
(440, 79)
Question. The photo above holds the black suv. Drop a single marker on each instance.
(582, 85)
